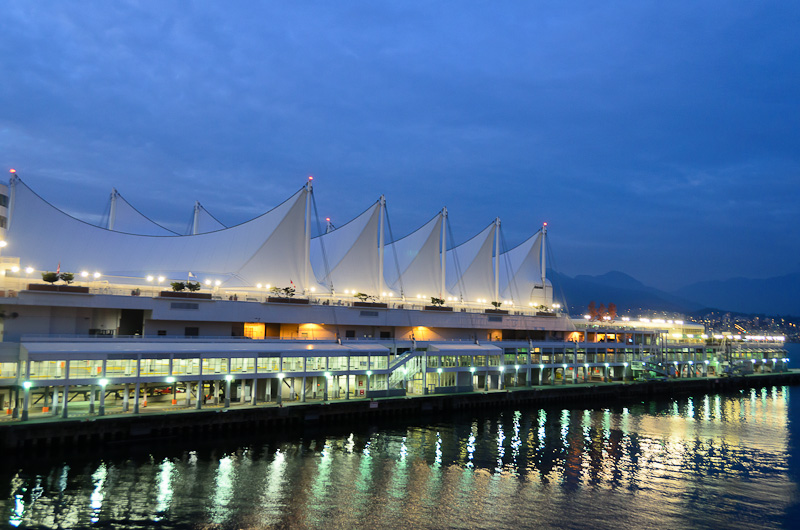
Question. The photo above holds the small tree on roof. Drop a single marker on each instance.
(50, 277)
(178, 286)
(66, 277)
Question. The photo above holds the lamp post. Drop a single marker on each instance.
(564, 374)
(472, 377)
(706, 362)
(102, 410)
(325, 393)
(369, 377)
(585, 372)
(501, 378)
(439, 377)
(607, 365)
(280, 388)
(228, 379)
(26, 400)
(516, 375)
(171, 381)
(624, 371)
(690, 370)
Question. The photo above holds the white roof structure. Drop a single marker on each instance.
(276, 249)
(418, 266)
(268, 249)
(470, 273)
(347, 258)
(123, 217)
(521, 271)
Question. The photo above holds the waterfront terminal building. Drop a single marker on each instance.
(280, 311)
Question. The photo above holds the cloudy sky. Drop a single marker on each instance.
(661, 139)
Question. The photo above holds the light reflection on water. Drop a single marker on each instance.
(711, 461)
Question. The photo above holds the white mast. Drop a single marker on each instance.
(196, 218)
(307, 260)
(380, 245)
(497, 259)
(544, 262)
(112, 210)
(444, 251)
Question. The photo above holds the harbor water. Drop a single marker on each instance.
(705, 461)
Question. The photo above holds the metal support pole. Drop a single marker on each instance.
(227, 393)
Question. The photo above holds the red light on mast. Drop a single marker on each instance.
(12, 170)
(310, 177)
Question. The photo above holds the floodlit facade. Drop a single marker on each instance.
(354, 316)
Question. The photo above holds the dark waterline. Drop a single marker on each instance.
(712, 461)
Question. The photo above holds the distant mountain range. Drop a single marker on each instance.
(771, 296)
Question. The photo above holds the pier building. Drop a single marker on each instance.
(279, 313)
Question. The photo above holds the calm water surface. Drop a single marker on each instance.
(713, 461)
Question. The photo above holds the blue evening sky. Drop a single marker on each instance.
(656, 138)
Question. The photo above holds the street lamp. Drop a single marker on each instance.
(103, 383)
(607, 365)
(369, 377)
(228, 379)
(27, 387)
(280, 388)
(624, 371)
(325, 394)
(171, 380)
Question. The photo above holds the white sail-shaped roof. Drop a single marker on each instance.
(350, 259)
(203, 221)
(418, 266)
(128, 219)
(521, 271)
(470, 273)
(267, 249)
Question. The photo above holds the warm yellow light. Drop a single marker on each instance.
(3, 244)
(96, 275)
(217, 283)
(258, 286)
(149, 277)
(85, 274)
(208, 282)
(28, 270)
(14, 269)
(161, 279)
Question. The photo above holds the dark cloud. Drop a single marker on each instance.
(656, 138)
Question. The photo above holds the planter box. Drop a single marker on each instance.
(57, 288)
(437, 308)
(371, 304)
(545, 314)
(496, 311)
(180, 294)
(279, 300)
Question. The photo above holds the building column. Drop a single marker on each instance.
(187, 393)
(126, 398)
(66, 402)
(91, 399)
(15, 408)
(102, 410)
(253, 394)
(242, 391)
(347, 384)
(215, 393)
(303, 387)
(137, 391)
(200, 396)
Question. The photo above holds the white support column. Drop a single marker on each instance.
(497, 259)
(196, 218)
(307, 260)
(112, 210)
(382, 215)
(443, 250)
(544, 262)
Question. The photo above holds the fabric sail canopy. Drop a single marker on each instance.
(470, 272)
(413, 263)
(347, 258)
(128, 219)
(521, 271)
(267, 249)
